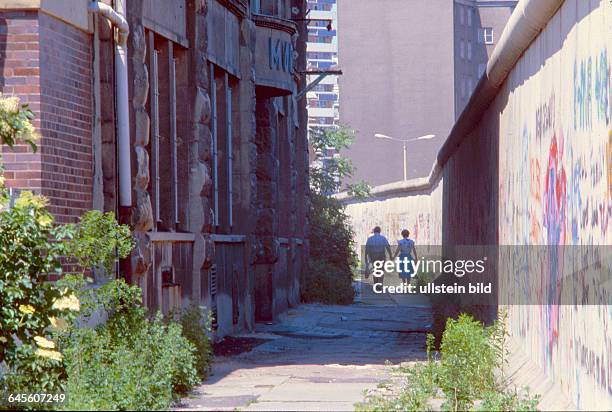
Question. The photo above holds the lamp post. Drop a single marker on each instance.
(404, 141)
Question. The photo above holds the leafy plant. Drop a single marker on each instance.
(330, 168)
(99, 239)
(196, 322)
(130, 362)
(328, 276)
(327, 283)
(16, 122)
(30, 307)
(468, 362)
(462, 375)
(509, 401)
(35, 312)
(329, 273)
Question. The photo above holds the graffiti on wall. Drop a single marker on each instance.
(567, 135)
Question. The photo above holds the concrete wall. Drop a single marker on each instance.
(555, 188)
(536, 170)
(417, 210)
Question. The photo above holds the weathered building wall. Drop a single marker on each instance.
(536, 170)
(217, 141)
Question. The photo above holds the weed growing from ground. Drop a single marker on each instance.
(466, 374)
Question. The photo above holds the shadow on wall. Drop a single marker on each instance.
(470, 211)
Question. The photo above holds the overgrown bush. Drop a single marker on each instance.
(32, 309)
(464, 375)
(130, 362)
(468, 362)
(329, 272)
(196, 322)
(328, 276)
(327, 284)
(29, 305)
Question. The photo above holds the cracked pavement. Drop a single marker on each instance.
(318, 357)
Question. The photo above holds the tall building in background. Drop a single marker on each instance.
(409, 68)
(322, 54)
(478, 24)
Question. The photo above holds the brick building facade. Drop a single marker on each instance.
(218, 163)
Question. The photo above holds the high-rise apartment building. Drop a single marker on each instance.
(478, 25)
(409, 68)
(322, 54)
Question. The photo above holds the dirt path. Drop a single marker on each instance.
(318, 357)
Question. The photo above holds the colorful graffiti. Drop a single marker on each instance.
(545, 117)
(554, 159)
(602, 87)
(583, 94)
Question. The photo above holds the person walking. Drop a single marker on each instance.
(377, 247)
(407, 254)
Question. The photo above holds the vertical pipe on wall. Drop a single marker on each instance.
(155, 125)
(213, 94)
(230, 151)
(98, 180)
(117, 18)
(123, 116)
(173, 137)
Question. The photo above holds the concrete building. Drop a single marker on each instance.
(187, 128)
(322, 54)
(408, 71)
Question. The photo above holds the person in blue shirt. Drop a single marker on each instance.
(377, 246)
(406, 250)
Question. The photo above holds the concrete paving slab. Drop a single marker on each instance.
(300, 406)
(316, 357)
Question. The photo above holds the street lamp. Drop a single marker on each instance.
(404, 141)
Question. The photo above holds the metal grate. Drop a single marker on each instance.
(213, 297)
(213, 281)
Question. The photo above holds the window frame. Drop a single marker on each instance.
(488, 36)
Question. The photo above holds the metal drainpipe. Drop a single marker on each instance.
(116, 17)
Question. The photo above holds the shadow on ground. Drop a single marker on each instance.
(316, 357)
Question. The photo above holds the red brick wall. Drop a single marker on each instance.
(66, 117)
(19, 75)
(48, 64)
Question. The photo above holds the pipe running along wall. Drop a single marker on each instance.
(117, 18)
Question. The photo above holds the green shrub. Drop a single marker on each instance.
(129, 362)
(329, 273)
(33, 310)
(196, 322)
(326, 283)
(31, 306)
(328, 277)
(468, 361)
(462, 373)
(509, 401)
